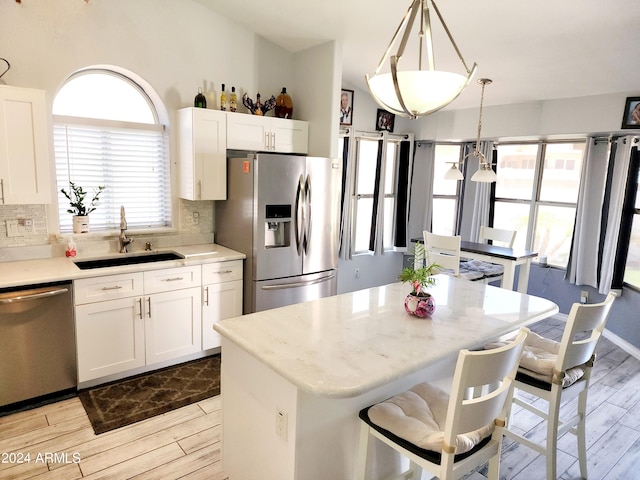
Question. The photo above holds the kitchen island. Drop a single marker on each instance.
(294, 378)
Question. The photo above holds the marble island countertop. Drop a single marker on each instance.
(44, 270)
(346, 345)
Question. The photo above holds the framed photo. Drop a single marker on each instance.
(346, 107)
(631, 117)
(385, 120)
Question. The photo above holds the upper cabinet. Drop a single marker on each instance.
(203, 154)
(24, 147)
(270, 134)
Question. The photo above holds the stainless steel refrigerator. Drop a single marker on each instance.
(282, 212)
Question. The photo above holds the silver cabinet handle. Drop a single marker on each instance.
(2, 190)
(174, 279)
(206, 297)
(273, 140)
(140, 307)
(116, 287)
(224, 272)
(200, 189)
(267, 144)
(149, 307)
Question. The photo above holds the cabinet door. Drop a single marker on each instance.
(24, 147)
(221, 300)
(109, 337)
(248, 132)
(173, 324)
(290, 136)
(203, 148)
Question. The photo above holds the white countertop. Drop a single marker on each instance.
(346, 345)
(55, 269)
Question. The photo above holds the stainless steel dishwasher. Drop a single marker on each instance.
(37, 343)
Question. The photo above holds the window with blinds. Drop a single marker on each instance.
(128, 158)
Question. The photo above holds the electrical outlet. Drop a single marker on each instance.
(356, 273)
(282, 423)
(196, 218)
(584, 296)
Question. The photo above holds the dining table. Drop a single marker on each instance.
(509, 258)
(294, 378)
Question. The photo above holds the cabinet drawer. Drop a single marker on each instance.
(221, 272)
(107, 287)
(165, 280)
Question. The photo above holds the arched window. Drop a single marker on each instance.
(107, 133)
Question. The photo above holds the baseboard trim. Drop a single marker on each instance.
(612, 337)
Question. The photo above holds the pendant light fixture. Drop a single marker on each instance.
(484, 173)
(418, 92)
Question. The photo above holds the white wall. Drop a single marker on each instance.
(175, 46)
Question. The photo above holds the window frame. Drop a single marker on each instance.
(458, 196)
(535, 203)
(165, 194)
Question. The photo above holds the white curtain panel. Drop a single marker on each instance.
(583, 262)
(422, 180)
(618, 184)
(482, 199)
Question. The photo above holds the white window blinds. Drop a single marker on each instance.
(128, 159)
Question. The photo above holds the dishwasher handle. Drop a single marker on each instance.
(27, 295)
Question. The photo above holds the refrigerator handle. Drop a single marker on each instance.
(307, 203)
(299, 219)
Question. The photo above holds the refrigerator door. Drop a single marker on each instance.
(287, 291)
(321, 214)
(277, 232)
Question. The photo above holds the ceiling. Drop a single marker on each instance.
(547, 49)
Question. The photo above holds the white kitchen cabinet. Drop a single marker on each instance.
(131, 320)
(222, 297)
(271, 134)
(173, 324)
(203, 154)
(110, 337)
(173, 312)
(24, 147)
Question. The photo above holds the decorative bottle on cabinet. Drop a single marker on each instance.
(200, 101)
(223, 99)
(233, 100)
(284, 105)
(258, 107)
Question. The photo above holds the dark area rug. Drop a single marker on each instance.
(127, 401)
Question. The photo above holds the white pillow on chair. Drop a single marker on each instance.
(418, 416)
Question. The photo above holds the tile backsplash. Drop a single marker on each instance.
(195, 217)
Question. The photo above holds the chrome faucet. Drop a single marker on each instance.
(124, 241)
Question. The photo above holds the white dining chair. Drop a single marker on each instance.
(492, 271)
(448, 435)
(444, 250)
(550, 370)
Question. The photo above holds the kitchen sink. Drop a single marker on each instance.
(127, 259)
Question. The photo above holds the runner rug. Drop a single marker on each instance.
(133, 399)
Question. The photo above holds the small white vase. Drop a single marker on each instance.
(81, 224)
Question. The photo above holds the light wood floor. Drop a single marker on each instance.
(185, 443)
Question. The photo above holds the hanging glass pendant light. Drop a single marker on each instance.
(485, 172)
(415, 93)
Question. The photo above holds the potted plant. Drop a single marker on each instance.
(79, 208)
(419, 302)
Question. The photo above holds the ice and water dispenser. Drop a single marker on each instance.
(277, 226)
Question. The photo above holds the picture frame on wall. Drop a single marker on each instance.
(631, 118)
(385, 120)
(346, 107)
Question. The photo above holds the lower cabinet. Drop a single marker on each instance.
(162, 320)
(129, 321)
(173, 324)
(222, 297)
(109, 337)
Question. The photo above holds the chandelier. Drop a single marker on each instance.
(484, 173)
(414, 93)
